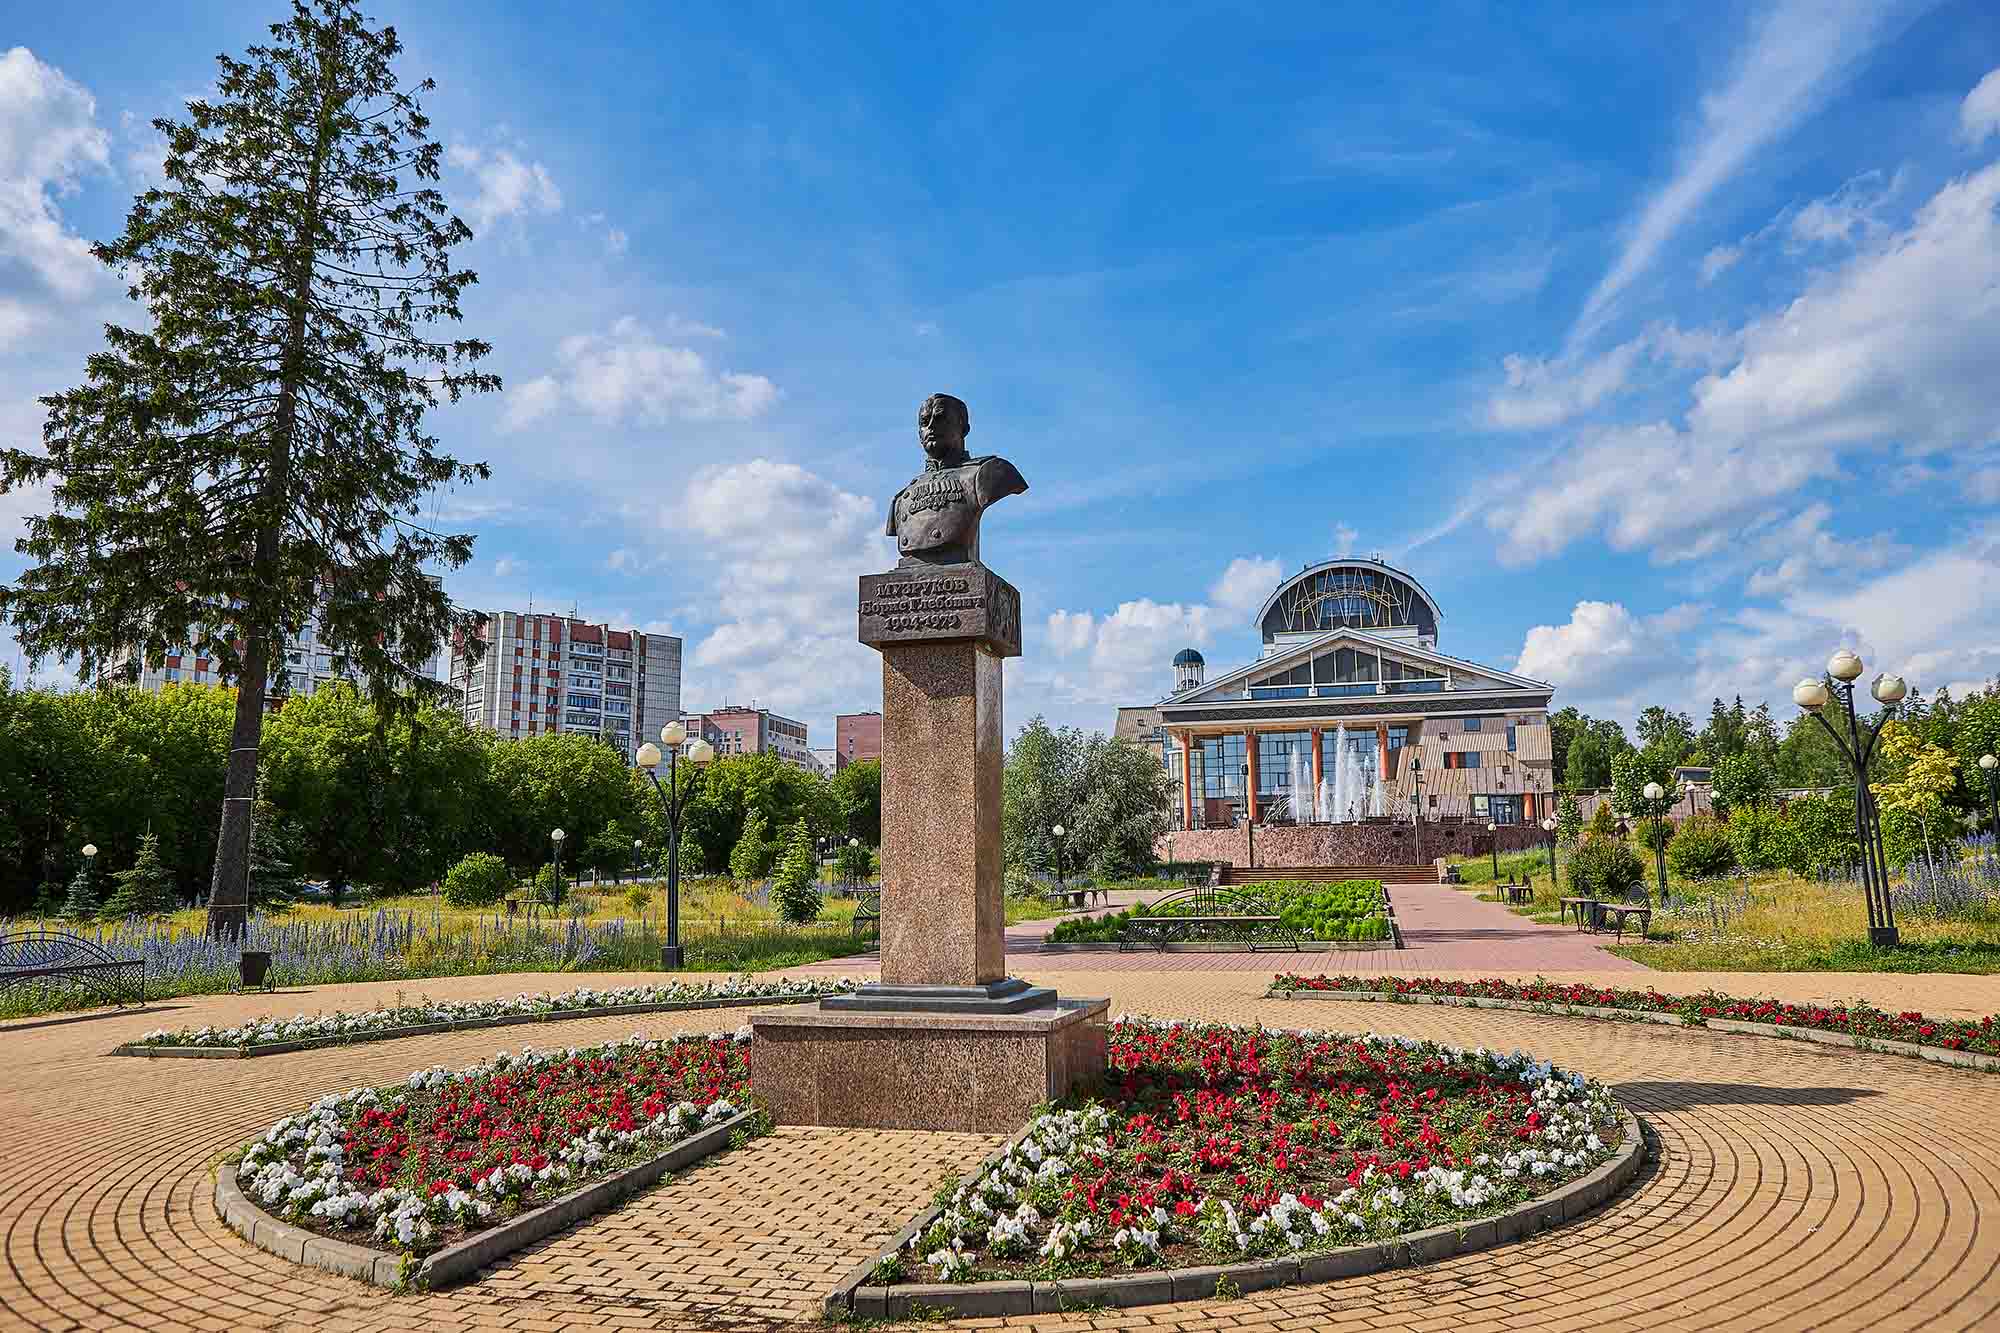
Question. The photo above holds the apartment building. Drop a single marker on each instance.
(552, 673)
(856, 737)
(733, 729)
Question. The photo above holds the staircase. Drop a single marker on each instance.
(1328, 874)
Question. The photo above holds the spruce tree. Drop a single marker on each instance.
(146, 887)
(80, 904)
(274, 861)
(751, 856)
(795, 888)
(253, 456)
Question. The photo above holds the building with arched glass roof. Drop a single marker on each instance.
(1350, 713)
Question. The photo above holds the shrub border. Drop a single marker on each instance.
(455, 1025)
(387, 1269)
(1224, 946)
(854, 1298)
(1888, 1046)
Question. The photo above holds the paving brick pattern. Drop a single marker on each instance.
(1794, 1187)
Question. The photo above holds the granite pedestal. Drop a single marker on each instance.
(972, 1073)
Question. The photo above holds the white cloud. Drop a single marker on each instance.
(1345, 537)
(1546, 392)
(1790, 63)
(1849, 216)
(48, 138)
(621, 559)
(505, 566)
(1719, 261)
(1602, 647)
(507, 186)
(1893, 347)
(1979, 113)
(783, 548)
(1794, 553)
(616, 241)
(1245, 584)
(628, 374)
(1982, 486)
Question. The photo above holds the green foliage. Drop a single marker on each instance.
(732, 788)
(1655, 835)
(1582, 749)
(639, 897)
(1109, 795)
(1603, 824)
(858, 790)
(1808, 757)
(275, 855)
(1818, 836)
(691, 858)
(795, 888)
(1569, 820)
(854, 863)
(1605, 868)
(250, 455)
(1916, 820)
(1631, 772)
(551, 884)
(1759, 837)
(81, 904)
(1345, 910)
(754, 852)
(566, 781)
(480, 879)
(146, 887)
(1701, 849)
(1743, 781)
(1668, 734)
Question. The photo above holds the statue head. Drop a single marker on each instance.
(943, 422)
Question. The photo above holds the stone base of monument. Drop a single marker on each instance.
(1009, 995)
(966, 1072)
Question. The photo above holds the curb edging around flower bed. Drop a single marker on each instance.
(1216, 946)
(453, 1025)
(1935, 1054)
(454, 1262)
(1000, 1299)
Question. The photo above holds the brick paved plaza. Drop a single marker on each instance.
(1793, 1187)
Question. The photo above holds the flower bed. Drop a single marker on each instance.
(393, 1021)
(446, 1155)
(1855, 1019)
(1213, 1144)
(1353, 910)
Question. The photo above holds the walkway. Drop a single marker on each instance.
(1796, 1187)
(1445, 929)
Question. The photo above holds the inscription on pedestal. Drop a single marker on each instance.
(932, 603)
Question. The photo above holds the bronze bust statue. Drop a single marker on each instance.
(935, 519)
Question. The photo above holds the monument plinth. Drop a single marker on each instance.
(946, 1039)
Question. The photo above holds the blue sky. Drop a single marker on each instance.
(1658, 344)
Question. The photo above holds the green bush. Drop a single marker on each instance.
(1758, 836)
(1603, 824)
(478, 880)
(1819, 835)
(1656, 833)
(1346, 910)
(1701, 850)
(1604, 868)
(755, 852)
(795, 889)
(639, 897)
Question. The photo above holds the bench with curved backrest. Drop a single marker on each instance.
(31, 956)
(1209, 913)
(867, 910)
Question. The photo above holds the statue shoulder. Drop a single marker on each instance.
(998, 478)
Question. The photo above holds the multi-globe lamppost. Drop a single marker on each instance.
(1657, 807)
(1857, 748)
(673, 801)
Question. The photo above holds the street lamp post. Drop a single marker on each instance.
(1493, 844)
(1988, 763)
(1857, 748)
(673, 802)
(1417, 803)
(637, 843)
(1549, 827)
(1057, 831)
(1687, 790)
(556, 836)
(1655, 796)
(853, 856)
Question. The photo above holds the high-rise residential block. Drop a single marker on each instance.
(543, 674)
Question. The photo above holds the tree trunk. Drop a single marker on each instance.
(229, 891)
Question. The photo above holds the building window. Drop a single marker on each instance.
(1398, 737)
(1282, 755)
(1503, 809)
(1473, 723)
(1461, 759)
(1510, 736)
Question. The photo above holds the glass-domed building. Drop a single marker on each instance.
(1351, 713)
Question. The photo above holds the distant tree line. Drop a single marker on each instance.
(386, 799)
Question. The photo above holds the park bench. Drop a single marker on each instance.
(1077, 899)
(868, 911)
(1523, 892)
(1207, 913)
(1622, 912)
(1584, 910)
(38, 955)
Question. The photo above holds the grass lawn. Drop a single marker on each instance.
(1768, 921)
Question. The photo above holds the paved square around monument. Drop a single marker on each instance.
(1788, 1186)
